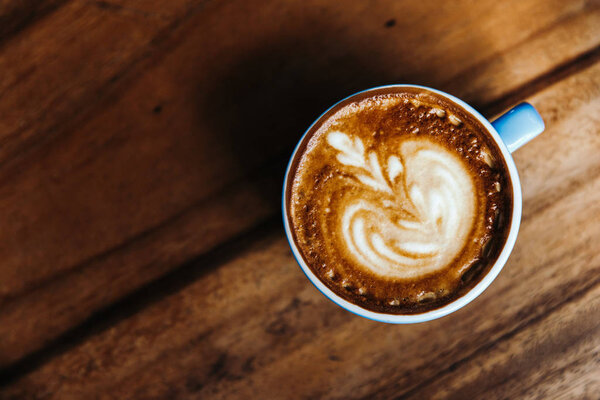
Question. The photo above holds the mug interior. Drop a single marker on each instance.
(458, 302)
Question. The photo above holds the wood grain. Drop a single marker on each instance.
(142, 145)
(149, 145)
(544, 360)
(241, 330)
(16, 16)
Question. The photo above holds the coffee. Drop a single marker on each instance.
(399, 200)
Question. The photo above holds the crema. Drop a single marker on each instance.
(399, 201)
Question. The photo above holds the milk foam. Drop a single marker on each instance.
(423, 182)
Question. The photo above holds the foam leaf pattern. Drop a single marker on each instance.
(441, 195)
(352, 154)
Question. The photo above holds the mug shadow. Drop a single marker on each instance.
(260, 107)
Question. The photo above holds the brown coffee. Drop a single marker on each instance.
(399, 200)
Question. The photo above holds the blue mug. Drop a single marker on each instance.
(510, 131)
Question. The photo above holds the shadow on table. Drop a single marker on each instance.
(260, 107)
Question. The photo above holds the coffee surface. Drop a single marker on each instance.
(399, 201)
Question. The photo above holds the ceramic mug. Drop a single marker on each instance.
(510, 131)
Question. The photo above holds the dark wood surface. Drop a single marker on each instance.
(142, 149)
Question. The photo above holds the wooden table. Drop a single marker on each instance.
(142, 148)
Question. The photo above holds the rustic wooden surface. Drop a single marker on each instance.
(142, 147)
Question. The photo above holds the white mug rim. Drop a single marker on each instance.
(460, 301)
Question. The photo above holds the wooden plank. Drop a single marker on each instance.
(255, 327)
(168, 144)
(523, 62)
(556, 357)
(52, 80)
(17, 15)
(186, 345)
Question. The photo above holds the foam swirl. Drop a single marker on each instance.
(421, 213)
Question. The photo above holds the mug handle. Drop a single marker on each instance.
(519, 125)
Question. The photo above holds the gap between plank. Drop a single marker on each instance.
(27, 18)
(548, 78)
(141, 298)
(487, 346)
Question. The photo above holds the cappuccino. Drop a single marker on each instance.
(399, 200)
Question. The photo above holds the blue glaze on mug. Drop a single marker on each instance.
(519, 125)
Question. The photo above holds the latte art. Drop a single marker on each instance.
(434, 191)
(399, 201)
